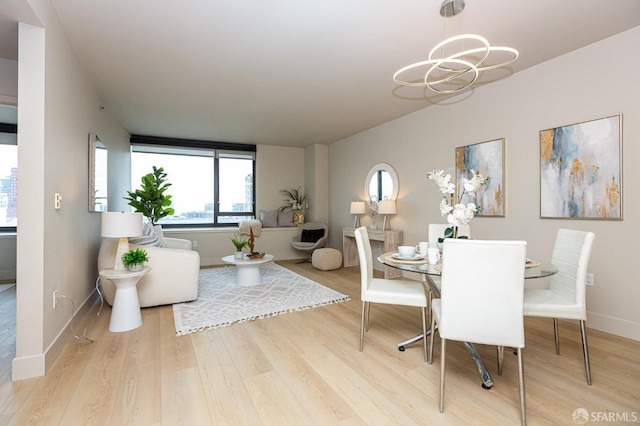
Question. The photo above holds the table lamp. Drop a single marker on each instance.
(386, 207)
(357, 208)
(121, 225)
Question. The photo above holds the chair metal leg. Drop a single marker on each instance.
(424, 333)
(429, 297)
(500, 359)
(443, 348)
(366, 320)
(431, 337)
(523, 408)
(362, 321)
(585, 351)
(555, 335)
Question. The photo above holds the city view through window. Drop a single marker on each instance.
(8, 185)
(192, 186)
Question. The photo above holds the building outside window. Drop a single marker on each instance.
(8, 182)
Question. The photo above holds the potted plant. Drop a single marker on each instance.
(458, 214)
(151, 200)
(134, 259)
(239, 243)
(297, 202)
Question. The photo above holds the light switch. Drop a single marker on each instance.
(57, 202)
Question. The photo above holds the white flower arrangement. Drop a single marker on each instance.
(457, 214)
(296, 201)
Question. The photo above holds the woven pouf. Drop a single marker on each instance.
(326, 259)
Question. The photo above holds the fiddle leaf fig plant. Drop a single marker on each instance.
(151, 200)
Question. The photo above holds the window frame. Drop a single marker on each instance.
(13, 129)
(218, 149)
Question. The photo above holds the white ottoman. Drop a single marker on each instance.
(326, 259)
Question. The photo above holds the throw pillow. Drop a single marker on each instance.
(269, 219)
(148, 238)
(311, 235)
(285, 218)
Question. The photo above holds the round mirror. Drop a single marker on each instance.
(381, 183)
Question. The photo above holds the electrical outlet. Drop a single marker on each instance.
(55, 299)
(195, 243)
(590, 279)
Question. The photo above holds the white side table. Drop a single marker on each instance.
(125, 312)
(248, 273)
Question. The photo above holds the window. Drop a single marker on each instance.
(8, 178)
(211, 182)
(381, 185)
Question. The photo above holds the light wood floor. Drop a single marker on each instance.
(304, 368)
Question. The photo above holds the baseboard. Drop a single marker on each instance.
(27, 367)
(617, 326)
(7, 277)
(56, 347)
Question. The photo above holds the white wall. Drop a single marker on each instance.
(56, 249)
(7, 257)
(277, 167)
(317, 182)
(8, 82)
(573, 88)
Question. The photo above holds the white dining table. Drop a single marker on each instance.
(429, 274)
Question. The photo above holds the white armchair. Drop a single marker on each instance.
(173, 277)
(318, 234)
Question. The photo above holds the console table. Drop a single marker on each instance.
(381, 242)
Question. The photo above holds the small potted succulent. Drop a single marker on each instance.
(134, 260)
(239, 243)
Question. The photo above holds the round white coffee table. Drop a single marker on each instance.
(125, 312)
(248, 273)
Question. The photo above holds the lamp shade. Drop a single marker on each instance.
(387, 207)
(358, 207)
(121, 224)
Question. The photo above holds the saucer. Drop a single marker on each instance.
(416, 256)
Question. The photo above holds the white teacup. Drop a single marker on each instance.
(422, 248)
(407, 251)
(434, 255)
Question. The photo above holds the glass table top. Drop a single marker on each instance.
(534, 268)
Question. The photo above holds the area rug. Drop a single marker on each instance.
(221, 303)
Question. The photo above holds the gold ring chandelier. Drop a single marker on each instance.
(459, 70)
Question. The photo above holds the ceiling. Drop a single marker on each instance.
(290, 72)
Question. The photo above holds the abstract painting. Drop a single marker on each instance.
(486, 158)
(581, 170)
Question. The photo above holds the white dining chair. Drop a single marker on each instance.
(481, 300)
(566, 296)
(436, 231)
(380, 290)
